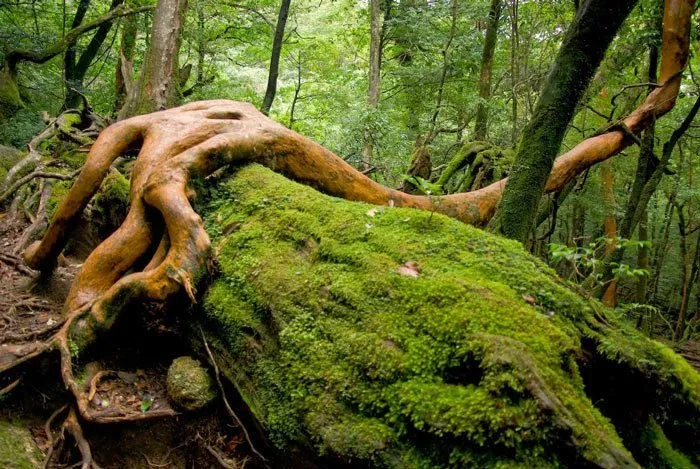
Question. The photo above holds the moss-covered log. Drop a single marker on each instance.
(407, 339)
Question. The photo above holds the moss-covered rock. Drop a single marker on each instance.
(17, 447)
(189, 385)
(403, 338)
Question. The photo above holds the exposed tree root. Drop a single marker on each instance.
(73, 427)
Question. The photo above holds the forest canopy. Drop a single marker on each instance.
(360, 319)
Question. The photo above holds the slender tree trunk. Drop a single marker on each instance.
(375, 53)
(297, 90)
(584, 46)
(124, 73)
(688, 270)
(662, 247)
(607, 177)
(482, 112)
(514, 46)
(74, 71)
(69, 55)
(685, 278)
(275, 57)
(642, 261)
(158, 86)
(421, 165)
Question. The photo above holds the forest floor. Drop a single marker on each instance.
(29, 307)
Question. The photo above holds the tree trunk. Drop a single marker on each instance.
(642, 261)
(375, 54)
(514, 70)
(594, 26)
(482, 112)
(275, 57)
(158, 85)
(124, 73)
(661, 248)
(69, 56)
(74, 72)
(685, 269)
(607, 187)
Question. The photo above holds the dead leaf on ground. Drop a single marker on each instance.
(409, 269)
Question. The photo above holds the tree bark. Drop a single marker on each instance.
(275, 57)
(482, 112)
(375, 54)
(158, 85)
(594, 27)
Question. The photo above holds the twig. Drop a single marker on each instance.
(10, 387)
(151, 464)
(218, 458)
(17, 264)
(36, 174)
(223, 397)
(49, 435)
(96, 380)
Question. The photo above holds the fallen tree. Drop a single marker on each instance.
(406, 339)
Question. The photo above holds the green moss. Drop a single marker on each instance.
(73, 158)
(660, 451)
(10, 100)
(59, 189)
(17, 447)
(115, 187)
(408, 339)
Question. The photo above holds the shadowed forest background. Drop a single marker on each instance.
(430, 98)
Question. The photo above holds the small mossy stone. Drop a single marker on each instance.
(17, 447)
(189, 385)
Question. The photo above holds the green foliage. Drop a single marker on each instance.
(585, 262)
(334, 343)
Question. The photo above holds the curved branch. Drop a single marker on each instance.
(14, 56)
(598, 148)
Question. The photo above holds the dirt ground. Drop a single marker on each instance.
(30, 309)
